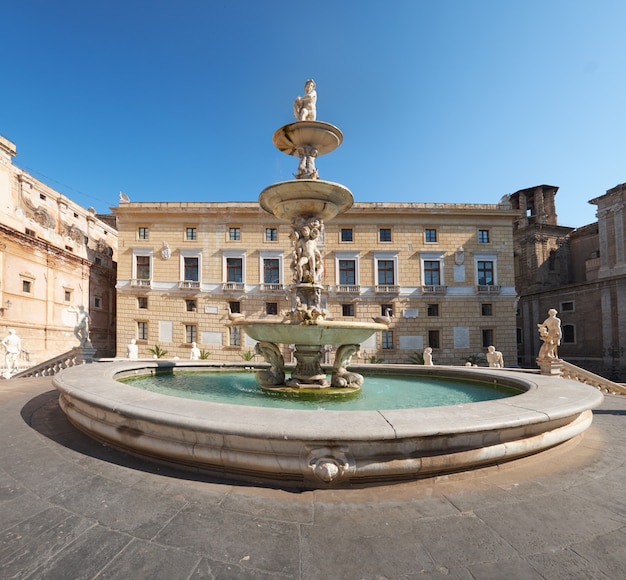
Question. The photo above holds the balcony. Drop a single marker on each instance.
(272, 287)
(431, 289)
(387, 289)
(348, 289)
(488, 289)
(233, 287)
(189, 285)
(141, 283)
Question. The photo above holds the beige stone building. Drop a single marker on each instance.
(55, 256)
(445, 271)
(579, 272)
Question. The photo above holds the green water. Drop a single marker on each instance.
(378, 392)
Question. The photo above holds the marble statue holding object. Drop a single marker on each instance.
(550, 334)
(13, 347)
(194, 353)
(81, 330)
(494, 358)
(132, 350)
(428, 357)
(304, 108)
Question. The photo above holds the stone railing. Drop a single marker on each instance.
(76, 356)
(574, 373)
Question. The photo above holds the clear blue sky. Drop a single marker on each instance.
(439, 101)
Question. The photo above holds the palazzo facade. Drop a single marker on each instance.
(444, 271)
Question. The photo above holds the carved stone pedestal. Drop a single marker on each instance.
(308, 372)
(550, 366)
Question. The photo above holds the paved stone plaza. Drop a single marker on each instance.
(72, 508)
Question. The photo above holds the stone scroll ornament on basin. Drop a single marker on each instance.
(307, 202)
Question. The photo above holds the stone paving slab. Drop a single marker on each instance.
(73, 508)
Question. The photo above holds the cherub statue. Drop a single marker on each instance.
(304, 107)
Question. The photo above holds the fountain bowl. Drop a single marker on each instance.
(292, 137)
(316, 449)
(332, 332)
(306, 198)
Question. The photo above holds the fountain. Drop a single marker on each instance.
(306, 202)
(311, 449)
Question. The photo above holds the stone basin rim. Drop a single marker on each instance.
(545, 399)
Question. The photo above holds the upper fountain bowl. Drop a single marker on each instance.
(293, 137)
(306, 198)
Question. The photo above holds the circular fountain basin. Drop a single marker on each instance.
(306, 198)
(292, 137)
(309, 449)
(322, 332)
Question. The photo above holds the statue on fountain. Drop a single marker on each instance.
(304, 107)
(342, 377)
(275, 375)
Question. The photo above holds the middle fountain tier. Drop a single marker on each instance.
(306, 202)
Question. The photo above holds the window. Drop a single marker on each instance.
(27, 286)
(191, 234)
(97, 302)
(483, 236)
(142, 331)
(433, 339)
(386, 272)
(271, 308)
(386, 339)
(191, 305)
(386, 309)
(519, 335)
(142, 267)
(234, 234)
(567, 306)
(486, 310)
(68, 296)
(485, 272)
(569, 333)
(30, 232)
(142, 233)
(234, 336)
(271, 234)
(98, 261)
(190, 269)
(235, 307)
(487, 337)
(432, 273)
(142, 302)
(384, 234)
(347, 272)
(346, 235)
(234, 270)
(191, 333)
(430, 236)
(271, 271)
(347, 309)
(432, 309)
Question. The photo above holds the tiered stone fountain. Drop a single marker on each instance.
(310, 449)
(307, 202)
